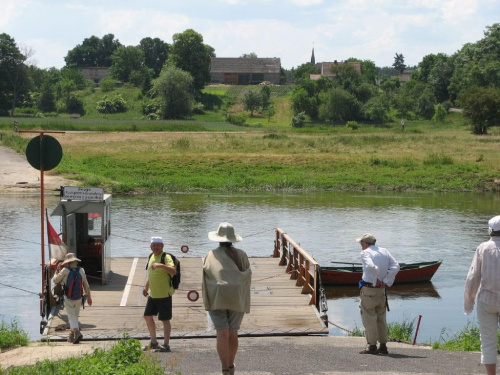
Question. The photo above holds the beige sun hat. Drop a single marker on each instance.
(70, 257)
(225, 233)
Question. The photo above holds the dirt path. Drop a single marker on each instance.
(17, 175)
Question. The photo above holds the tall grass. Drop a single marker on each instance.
(12, 335)
(466, 340)
(395, 331)
(126, 357)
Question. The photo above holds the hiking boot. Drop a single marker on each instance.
(382, 349)
(150, 347)
(77, 338)
(163, 349)
(71, 337)
(372, 349)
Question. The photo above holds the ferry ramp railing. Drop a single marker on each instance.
(303, 268)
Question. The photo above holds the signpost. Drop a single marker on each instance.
(43, 153)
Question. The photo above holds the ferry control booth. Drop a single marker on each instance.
(86, 228)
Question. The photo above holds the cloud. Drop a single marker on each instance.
(11, 9)
(306, 3)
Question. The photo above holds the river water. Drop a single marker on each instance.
(414, 227)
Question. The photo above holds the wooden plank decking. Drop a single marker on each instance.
(277, 305)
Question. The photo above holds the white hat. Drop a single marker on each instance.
(70, 257)
(368, 238)
(156, 240)
(494, 223)
(225, 233)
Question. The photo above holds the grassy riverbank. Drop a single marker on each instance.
(423, 157)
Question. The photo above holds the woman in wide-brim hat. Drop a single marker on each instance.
(72, 307)
(226, 291)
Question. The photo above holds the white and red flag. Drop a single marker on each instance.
(57, 247)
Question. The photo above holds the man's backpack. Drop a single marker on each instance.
(73, 289)
(175, 280)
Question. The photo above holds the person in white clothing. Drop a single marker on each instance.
(72, 306)
(379, 272)
(483, 284)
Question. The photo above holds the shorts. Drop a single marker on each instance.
(226, 319)
(159, 306)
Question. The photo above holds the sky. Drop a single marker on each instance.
(337, 29)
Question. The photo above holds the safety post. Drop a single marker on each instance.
(416, 331)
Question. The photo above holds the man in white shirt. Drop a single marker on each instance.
(483, 285)
(379, 272)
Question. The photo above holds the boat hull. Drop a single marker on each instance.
(409, 273)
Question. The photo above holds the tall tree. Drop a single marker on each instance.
(191, 55)
(155, 53)
(13, 73)
(399, 63)
(477, 64)
(174, 89)
(93, 52)
(125, 61)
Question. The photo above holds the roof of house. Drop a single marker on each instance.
(245, 65)
(326, 67)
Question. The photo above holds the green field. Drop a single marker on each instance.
(133, 156)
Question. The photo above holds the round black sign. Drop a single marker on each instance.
(44, 152)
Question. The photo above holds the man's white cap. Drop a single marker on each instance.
(494, 223)
(156, 240)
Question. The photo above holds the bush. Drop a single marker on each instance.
(114, 105)
(439, 114)
(353, 125)
(75, 105)
(108, 84)
(298, 121)
(236, 119)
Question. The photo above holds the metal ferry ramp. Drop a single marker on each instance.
(286, 300)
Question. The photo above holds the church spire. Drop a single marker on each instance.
(313, 60)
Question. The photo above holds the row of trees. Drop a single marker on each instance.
(468, 78)
(167, 73)
(54, 90)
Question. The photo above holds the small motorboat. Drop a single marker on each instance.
(350, 273)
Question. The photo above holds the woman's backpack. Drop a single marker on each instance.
(73, 288)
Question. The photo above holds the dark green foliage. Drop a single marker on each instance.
(210, 101)
(303, 71)
(93, 52)
(252, 101)
(190, 54)
(339, 105)
(47, 102)
(234, 119)
(265, 93)
(75, 105)
(155, 54)
(108, 84)
(399, 63)
(125, 61)
(482, 106)
(173, 88)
